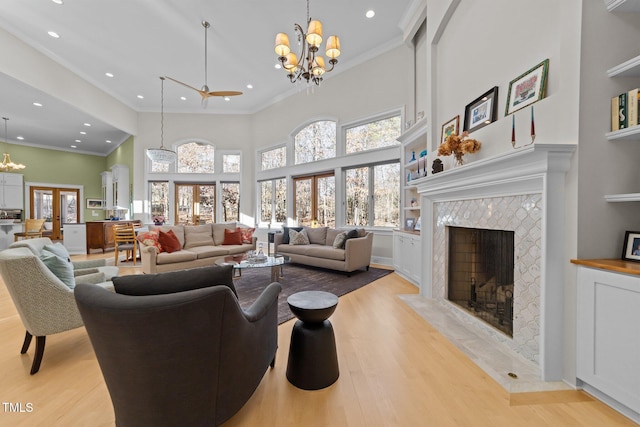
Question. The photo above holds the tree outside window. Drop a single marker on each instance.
(230, 163)
(230, 201)
(369, 136)
(273, 206)
(275, 158)
(373, 195)
(316, 141)
(159, 199)
(195, 157)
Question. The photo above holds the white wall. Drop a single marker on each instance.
(378, 85)
(475, 45)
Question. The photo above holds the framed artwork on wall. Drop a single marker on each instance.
(527, 88)
(631, 247)
(452, 126)
(94, 203)
(481, 111)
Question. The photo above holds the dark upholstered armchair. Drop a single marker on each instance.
(192, 357)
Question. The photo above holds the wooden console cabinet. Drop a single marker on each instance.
(100, 233)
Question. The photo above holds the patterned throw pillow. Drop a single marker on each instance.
(247, 234)
(150, 238)
(338, 243)
(298, 237)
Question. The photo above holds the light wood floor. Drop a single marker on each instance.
(395, 370)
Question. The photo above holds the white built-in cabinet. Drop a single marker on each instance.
(407, 255)
(414, 142)
(115, 187)
(608, 331)
(11, 191)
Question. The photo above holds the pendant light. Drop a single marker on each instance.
(7, 165)
(162, 155)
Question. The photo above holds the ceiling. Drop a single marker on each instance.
(140, 40)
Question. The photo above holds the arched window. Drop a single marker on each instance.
(316, 141)
(195, 157)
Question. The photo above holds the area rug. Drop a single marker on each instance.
(299, 278)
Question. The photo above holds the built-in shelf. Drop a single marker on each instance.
(631, 197)
(624, 6)
(630, 68)
(628, 134)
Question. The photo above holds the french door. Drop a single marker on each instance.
(58, 206)
(315, 200)
(195, 204)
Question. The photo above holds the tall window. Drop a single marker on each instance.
(230, 201)
(378, 134)
(159, 199)
(315, 200)
(195, 204)
(195, 157)
(273, 206)
(373, 196)
(315, 142)
(275, 158)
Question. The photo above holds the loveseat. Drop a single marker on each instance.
(344, 250)
(199, 245)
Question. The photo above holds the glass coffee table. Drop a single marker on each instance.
(241, 262)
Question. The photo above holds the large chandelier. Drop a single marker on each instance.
(311, 66)
(162, 155)
(7, 164)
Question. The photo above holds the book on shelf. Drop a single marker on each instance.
(622, 111)
(632, 107)
(625, 109)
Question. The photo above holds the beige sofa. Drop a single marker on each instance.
(320, 251)
(201, 246)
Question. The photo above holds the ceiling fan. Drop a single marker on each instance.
(204, 92)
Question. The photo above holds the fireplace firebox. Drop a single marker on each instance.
(480, 276)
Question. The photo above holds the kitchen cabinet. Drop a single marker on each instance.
(11, 191)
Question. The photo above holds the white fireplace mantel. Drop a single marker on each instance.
(536, 169)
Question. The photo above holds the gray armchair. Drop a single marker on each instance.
(175, 349)
(45, 304)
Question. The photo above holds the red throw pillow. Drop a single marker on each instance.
(247, 234)
(169, 241)
(232, 237)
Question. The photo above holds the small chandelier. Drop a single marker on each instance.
(311, 66)
(7, 164)
(162, 155)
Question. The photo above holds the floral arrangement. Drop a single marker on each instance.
(459, 146)
(158, 219)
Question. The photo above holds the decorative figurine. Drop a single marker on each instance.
(437, 166)
(413, 156)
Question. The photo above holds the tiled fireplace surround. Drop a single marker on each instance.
(523, 191)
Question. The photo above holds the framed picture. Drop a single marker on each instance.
(527, 88)
(418, 225)
(482, 111)
(409, 223)
(94, 204)
(452, 126)
(631, 248)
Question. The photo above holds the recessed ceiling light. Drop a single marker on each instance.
(226, 98)
(108, 141)
(37, 104)
(184, 98)
(108, 74)
(278, 66)
(87, 124)
(73, 146)
(20, 137)
(57, 1)
(370, 14)
(78, 140)
(140, 97)
(83, 133)
(249, 86)
(54, 34)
